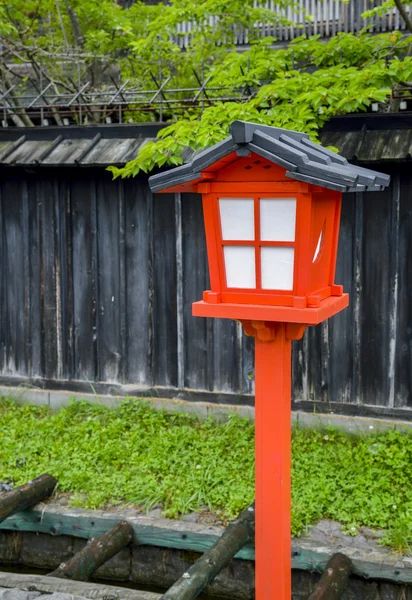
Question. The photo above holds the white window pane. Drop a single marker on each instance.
(237, 217)
(277, 265)
(277, 219)
(240, 266)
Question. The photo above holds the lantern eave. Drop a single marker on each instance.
(303, 160)
(284, 314)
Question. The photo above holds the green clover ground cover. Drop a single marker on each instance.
(136, 455)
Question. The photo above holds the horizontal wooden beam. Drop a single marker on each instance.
(87, 527)
(40, 583)
(306, 555)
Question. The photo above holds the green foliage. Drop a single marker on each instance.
(298, 88)
(364, 480)
(135, 455)
(131, 454)
(383, 8)
(64, 38)
(67, 42)
(399, 534)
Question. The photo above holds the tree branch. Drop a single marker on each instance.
(61, 23)
(75, 23)
(19, 116)
(404, 15)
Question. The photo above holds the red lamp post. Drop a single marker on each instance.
(271, 203)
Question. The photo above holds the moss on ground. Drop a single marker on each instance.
(136, 455)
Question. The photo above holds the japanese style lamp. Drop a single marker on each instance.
(271, 202)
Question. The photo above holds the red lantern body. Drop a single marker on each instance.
(271, 203)
(314, 243)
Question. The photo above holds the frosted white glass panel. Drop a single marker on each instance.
(240, 266)
(237, 217)
(277, 219)
(277, 268)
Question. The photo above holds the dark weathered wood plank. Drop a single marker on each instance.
(122, 294)
(195, 281)
(164, 292)
(375, 304)
(26, 273)
(65, 275)
(403, 354)
(248, 365)
(13, 305)
(3, 309)
(84, 300)
(314, 336)
(225, 352)
(393, 292)
(339, 367)
(50, 290)
(108, 280)
(34, 287)
(179, 293)
(356, 332)
(137, 234)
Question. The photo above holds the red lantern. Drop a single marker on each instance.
(271, 203)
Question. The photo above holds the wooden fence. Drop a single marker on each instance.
(317, 17)
(98, 277)
(313, 17)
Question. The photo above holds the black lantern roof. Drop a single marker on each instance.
(303, 160)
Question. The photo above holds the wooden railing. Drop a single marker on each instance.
(327, 18)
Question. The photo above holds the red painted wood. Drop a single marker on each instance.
(252, 168)
(281, 298)
(213, 251)
(250, 187)
(302, 251)
(286, 314)
(273, 456)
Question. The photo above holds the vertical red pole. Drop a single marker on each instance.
(273, 462)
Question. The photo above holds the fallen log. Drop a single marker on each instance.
(49, 585)
(99, 550)
(236, 535)
(26, 495)
(334, 579)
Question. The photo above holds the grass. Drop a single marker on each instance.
(135, 455)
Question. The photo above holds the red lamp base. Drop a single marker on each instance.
(284, 314)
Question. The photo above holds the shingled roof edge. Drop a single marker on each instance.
(303, 163)
(242, 131)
